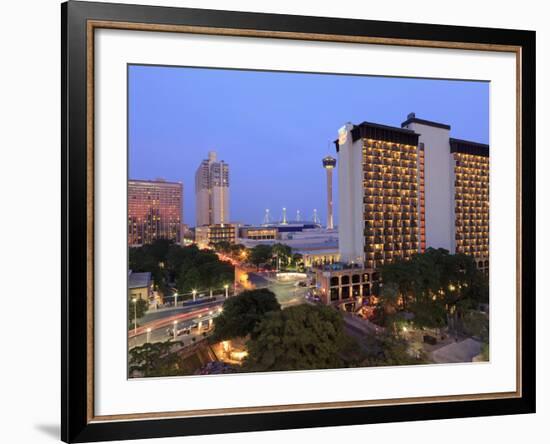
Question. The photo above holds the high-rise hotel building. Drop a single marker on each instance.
(212, 191)
(379, 177)
(456, 174)
(154, 211)
(400, 191)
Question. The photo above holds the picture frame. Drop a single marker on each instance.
(80, 21)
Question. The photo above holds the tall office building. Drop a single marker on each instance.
(154, 211)
(212, 191)
(456, 174)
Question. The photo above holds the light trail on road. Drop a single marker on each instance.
(168, 321)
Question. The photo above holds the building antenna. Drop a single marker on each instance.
(267, 219)
(316, 219)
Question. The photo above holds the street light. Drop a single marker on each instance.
(194, 295)
(226, 290)
(176, 299)
(175, 329)
(134, 300)
(149, 335)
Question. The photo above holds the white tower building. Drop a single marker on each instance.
(351, 240)
(212, 191)
(328, 164)
(438, 175)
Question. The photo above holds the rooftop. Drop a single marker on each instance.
(160, 182)
(386, 133)
(337, 266)
(411, 118)
(469, 147)
(139, 280)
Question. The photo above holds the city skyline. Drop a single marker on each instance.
(175, 119)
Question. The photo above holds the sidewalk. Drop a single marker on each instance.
(463, 351)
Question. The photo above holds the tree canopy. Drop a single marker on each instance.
(297, 338)
(435, 286)
(388, 350)
(155, 359)
(188, 267)
(136, 310)
(242, 313)
(260, 254)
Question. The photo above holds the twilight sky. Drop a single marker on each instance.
(274, 128)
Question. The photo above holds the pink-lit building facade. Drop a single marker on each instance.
(154, 211)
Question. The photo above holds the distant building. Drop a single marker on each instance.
(154, 211)
(258, 233)
(211, 234)
(299, 236)
(212, 192)
(140, 286)
(318, 256)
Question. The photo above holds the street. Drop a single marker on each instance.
(154, 326)
(287, 292)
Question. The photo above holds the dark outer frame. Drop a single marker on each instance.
(78, 423)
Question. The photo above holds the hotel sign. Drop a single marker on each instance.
(342, 135)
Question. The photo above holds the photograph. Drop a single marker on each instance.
(285, 221)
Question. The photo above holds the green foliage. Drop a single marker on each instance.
(476, 324)
(155, 359)
(222, 247)
(436, 286)
(189, 267)
(389, 297)
(242, 313)
(297, 261)
(188, 279)
(485, 351)
(283, 254)
(136, 309)
(428, 313)
(260, 254)
(297, 338)
(388, 350)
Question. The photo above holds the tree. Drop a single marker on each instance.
(155, 359)
(242, 313)
(389, 297)
(484, 355)
(260, 254)
(222, 246)
(388, 350)
(237, 250)
(189, 267)
(282, 252)
(429, 313)
(136, 310)
(437, 287)
(402, 274)
(476, 324)
(297, 338)
(188, 279)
